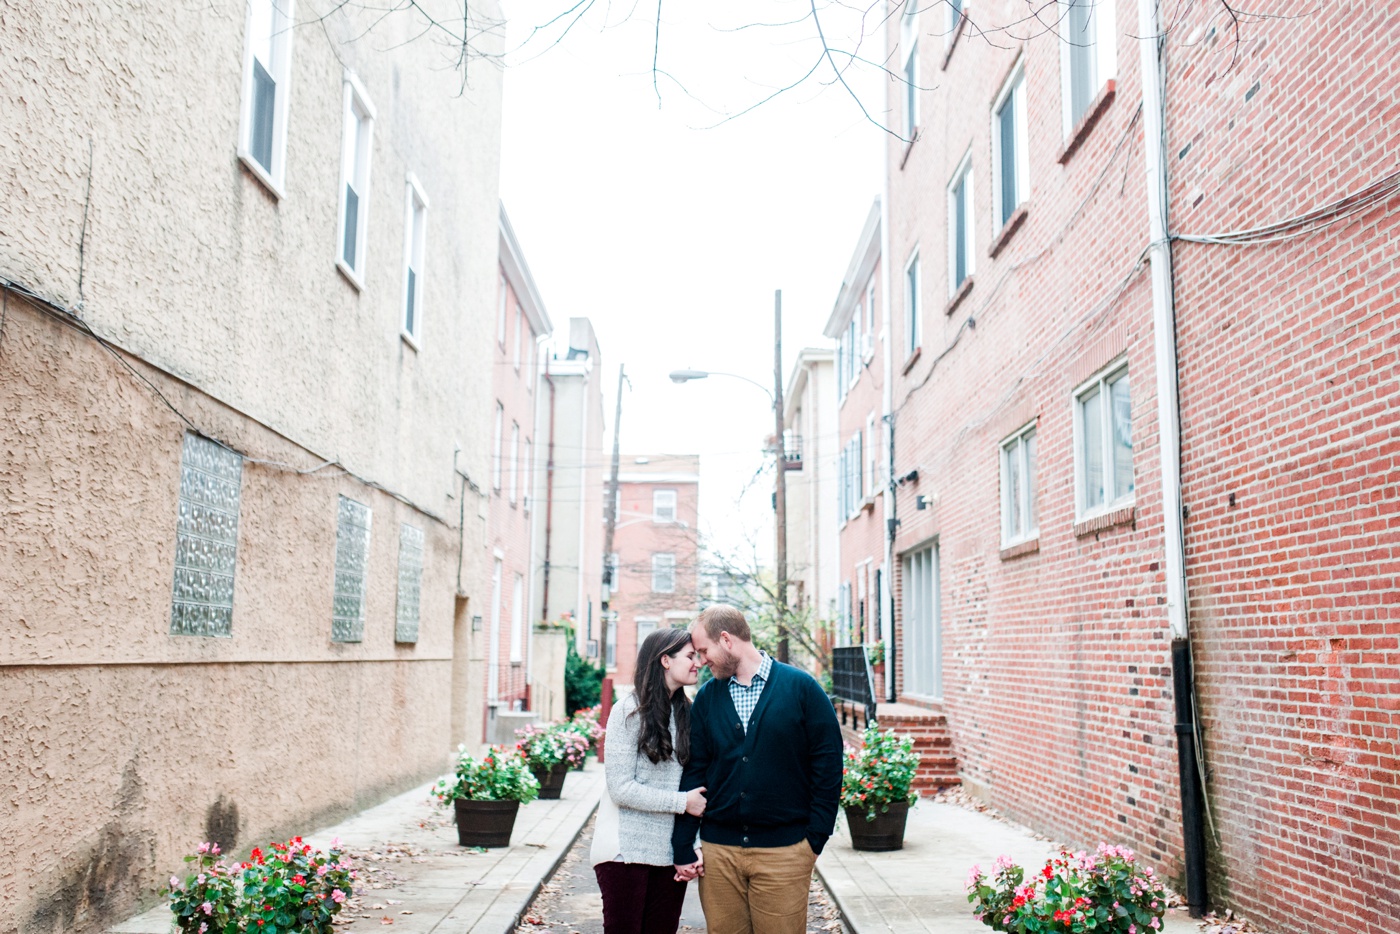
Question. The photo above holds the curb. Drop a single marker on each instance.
(553, 868)
(837, 901)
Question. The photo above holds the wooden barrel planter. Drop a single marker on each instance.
(552, 781)
(885, 832)
(485, 823)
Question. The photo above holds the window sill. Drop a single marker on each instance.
(261, 174)
(350, 275)
(1092, 525)
(1013, 224)
(912, 359)
(909, 147)
(1027, 547)
(410, 340)
(959, 295)
(953, 41)
(1086, 122)
(868, 504)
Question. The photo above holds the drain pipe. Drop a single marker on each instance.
(548, 499)
(1151, 45)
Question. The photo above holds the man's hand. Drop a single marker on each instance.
(695, 802)
(691, 871)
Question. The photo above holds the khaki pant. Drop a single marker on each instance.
(756, 890)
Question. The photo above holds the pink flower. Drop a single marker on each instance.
(974, 875)
(203, 927)
(322, 869)
(338, 896)
(202, 848)
(174, 882)
(207, 908)
(335, 843)
(1003, 862)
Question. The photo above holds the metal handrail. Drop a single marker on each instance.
(852, 680)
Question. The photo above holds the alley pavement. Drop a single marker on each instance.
(414, 876)
(415, 879)
(919, 889)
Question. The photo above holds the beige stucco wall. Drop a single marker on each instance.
(123, 745)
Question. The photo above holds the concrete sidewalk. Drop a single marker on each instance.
(919, 889)
(414, 876)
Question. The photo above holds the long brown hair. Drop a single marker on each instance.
(655, 707)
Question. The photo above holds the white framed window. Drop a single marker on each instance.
(1019, 522)
(496, 446)
(530, 373)
(872, 455)
(519, 335)
(414, 223)
(501, 312)
(267, 59)
(663, 506)
(614, 573)
(528, 466)
(850, 477)
(962, 239)
(354, 180)
(517, 620)
(841, 368)
(869, 347)
(853, 349)
(514, 462)
(663, 573)
(1103, 443)
(913, 311)
(646, 625)
(909, 45)
(1088, 55)
(1010, 158)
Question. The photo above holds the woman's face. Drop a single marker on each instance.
(683, 668)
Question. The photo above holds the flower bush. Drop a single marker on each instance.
(1107, 893)
(293, 888)
(544, 747)
(879, 773)
(585, 723)
(500, 775)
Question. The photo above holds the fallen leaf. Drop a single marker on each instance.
(405, 912)
(386, 920)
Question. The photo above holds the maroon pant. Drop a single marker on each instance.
(640, 899)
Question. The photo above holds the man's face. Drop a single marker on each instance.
(713, 652)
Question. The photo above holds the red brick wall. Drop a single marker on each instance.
(1290, 397)
(1056, 662)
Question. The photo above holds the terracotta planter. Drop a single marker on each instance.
(885, 832)
(485, 823)
(552, 781)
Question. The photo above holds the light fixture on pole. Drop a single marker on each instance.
(775, 396)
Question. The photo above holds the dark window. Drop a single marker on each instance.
(264, 107)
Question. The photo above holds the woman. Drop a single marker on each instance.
(647, 745)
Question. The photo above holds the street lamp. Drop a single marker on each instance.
(780, 458)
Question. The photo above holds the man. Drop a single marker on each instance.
(765, 743)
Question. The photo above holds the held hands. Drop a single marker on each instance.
(695, 802)
(693, 871)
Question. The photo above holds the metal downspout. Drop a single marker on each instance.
(1151, 45)
(548, 500)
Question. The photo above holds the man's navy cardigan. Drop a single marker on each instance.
(773, 785)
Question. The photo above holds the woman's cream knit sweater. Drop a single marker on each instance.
(636, 816)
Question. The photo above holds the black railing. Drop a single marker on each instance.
(851, 682)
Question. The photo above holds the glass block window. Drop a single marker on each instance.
(206, 539)
(410, 583)
(351, 562)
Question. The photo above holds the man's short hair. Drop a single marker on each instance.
(724, 618)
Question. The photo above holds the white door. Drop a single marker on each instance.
(493, 656)
(923, 624)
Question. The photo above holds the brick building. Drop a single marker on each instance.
(1040, 571)
(521, 323)
(655, 559)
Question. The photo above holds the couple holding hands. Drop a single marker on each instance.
(752, 767)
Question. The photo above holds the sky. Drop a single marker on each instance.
(670, 232)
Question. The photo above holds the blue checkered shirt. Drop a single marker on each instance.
(746, 698)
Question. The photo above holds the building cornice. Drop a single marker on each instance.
(862, 265)
(518, 272)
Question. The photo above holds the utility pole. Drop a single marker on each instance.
(780, 454)
(610, 518)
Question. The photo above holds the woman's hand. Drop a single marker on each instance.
(695, 802)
